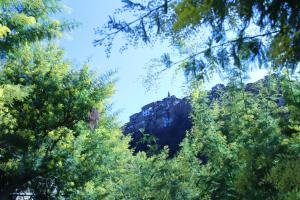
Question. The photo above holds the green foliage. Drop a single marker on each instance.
(147, 143)
(25, 21)
(44, 112)
(150, 21)
(248, 142)
(250, 154)
(243, 145)
(226, 34)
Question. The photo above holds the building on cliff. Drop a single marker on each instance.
(167, 120)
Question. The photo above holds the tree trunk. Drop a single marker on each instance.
(4, 195)
(13, 183)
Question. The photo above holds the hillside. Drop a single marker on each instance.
(168, 119)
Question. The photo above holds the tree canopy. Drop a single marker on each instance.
(26, 21)
(58, 139)
(248, 139)
(44, 117)
(47, 144)
(226, 34)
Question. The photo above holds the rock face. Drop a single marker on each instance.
(167, 120)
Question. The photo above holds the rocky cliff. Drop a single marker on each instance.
(168, 119)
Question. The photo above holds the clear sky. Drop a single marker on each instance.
(131, 65)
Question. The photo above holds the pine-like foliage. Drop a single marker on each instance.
(243, 145)
(214, 35)
(45, 138)
(26, 21)
(250, 143)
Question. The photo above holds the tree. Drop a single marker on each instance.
(243, 145)
(245, 142)
(21, 23)
(48, 144)
(226, 34)
(26, 21)
(44, 116)
(248, 141)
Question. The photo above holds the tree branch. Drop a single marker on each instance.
(223, 44)
(112, 34)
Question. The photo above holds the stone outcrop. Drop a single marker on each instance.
(168, 119)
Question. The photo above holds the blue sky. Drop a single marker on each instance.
(131, 65)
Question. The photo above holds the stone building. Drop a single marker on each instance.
(167, 120)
